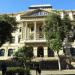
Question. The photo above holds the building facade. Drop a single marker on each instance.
(29, 33)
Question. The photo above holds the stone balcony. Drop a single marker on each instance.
(35, 39)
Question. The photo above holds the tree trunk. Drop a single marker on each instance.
(59, 64)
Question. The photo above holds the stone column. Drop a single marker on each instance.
(70, 15)
(6, 52)
(34, 30)
(25, 30)
(45, 51)
(62, 15)
(35, 51)
(16, 38)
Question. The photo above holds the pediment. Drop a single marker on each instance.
(37, 12)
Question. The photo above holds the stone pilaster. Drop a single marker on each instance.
(35, 51)
(16, 38)
(45, 51)
(6, 52)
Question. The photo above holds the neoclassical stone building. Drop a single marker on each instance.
(30, 33)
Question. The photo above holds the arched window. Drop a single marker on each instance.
(10, 52)
(2, 51)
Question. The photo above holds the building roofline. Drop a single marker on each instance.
(40, 6)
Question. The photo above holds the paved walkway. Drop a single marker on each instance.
(56, 72)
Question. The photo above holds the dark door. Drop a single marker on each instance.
(40, 51)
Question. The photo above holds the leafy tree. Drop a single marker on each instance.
(24, 55)
(7, 26)
(56, 30)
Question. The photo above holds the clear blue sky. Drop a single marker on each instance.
(9, 6)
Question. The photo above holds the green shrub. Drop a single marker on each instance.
(19, 70)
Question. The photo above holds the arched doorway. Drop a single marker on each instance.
(40, 51)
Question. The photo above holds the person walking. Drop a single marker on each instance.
(38, 69)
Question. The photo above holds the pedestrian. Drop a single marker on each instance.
(4, 68)
(38, 69)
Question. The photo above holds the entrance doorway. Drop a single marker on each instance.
(40, 51)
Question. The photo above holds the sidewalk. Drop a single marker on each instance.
(56, 72)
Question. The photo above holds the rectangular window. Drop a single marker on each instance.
(19, 38)
(13, 40)
(10, 52)
(20, 29)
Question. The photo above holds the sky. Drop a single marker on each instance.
(14, 6)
